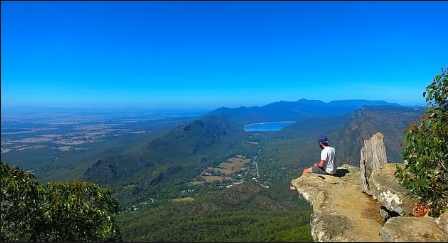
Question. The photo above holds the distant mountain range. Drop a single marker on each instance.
(339, 104)
(293, 110)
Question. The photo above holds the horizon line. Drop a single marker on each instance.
(186, 108)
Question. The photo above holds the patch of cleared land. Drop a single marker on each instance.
(33, 140)
(227, 168)
(185, 199)
(239, 160)
(51, 135)
(65, 148)
(234, 167)
(215, 178)
(225, 171)
(36, 147)
(137, 132)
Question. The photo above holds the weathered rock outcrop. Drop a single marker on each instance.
(341, 211)
(385, 188)
(373, 158)
(412, 229)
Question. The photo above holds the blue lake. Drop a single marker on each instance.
(267, 126)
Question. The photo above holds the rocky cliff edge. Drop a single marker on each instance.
(344, 211)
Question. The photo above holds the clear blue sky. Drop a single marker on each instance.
(212, 54)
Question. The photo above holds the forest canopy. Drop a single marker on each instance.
(77, 211)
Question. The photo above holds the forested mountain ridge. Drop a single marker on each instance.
(195, 136)
(390, 121)
(163, 167)
(111, 167)
(197, 143)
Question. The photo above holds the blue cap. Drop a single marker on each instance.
(323, 139)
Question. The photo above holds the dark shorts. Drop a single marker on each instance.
(318, 170)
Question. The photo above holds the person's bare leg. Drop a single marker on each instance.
(307, 170)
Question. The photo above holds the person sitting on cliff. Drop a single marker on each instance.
(326, 165)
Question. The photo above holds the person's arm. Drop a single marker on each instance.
(323, 158)
(320, 163)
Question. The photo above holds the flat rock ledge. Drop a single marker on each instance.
(342, 212)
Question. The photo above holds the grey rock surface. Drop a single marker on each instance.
(385, 188)
(373, 158)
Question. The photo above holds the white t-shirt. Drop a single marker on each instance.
(327, 154)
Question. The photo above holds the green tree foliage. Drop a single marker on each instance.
(224, 226)
(426, 151)
(242, 213)
(77, 211)
(21, 216)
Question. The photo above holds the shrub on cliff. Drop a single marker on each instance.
(77, 211)
(426, 150)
